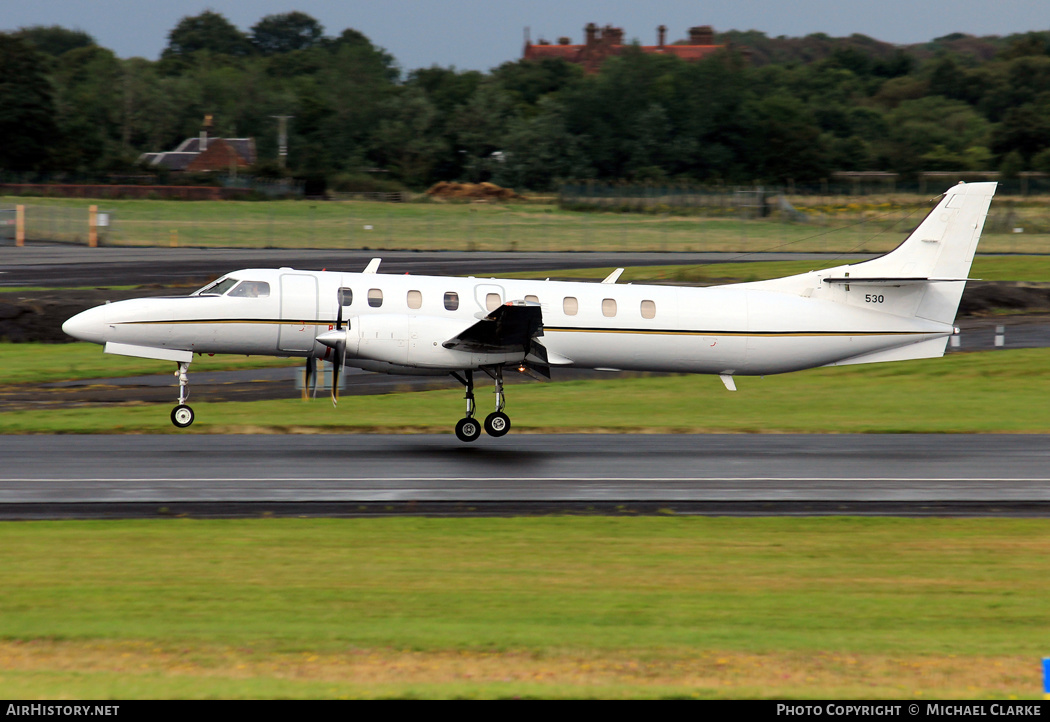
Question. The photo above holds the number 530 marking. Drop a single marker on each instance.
(874, 298)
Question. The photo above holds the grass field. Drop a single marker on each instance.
(833, 225)
(988, 392)
(541, 607)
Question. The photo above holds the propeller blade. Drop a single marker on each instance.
(337, 367)
(310, 382)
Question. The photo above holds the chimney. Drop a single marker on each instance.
(590, 32)
(615, 35)
(661, 34)
(701, 35)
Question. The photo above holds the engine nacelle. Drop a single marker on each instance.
(415, 341)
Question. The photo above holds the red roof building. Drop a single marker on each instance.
(602, 43)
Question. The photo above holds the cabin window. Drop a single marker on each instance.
(251, 289)
(609, 307)
(532, 299)
(375, 297)
(570, 305)
(415, 299)
(346, 296)
(492, 301)
(451, 301)
(648, 309)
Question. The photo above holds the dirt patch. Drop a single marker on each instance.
(472, 192)
(982, 298)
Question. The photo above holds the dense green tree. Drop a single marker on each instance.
(528, 81)
(89, 106)
(27, 109)
(404, 141)
(784, 141)
(479, 126)
(55, 40)
(794, 108)
(210, 31)
(917, 127)
(538, 150)
(285, 32)
(1024, 130)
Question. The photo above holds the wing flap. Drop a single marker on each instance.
(509, 327)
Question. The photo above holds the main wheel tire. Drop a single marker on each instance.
(497, 424)
(468, 429)
(182, 416)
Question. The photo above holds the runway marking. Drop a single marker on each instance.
(553, 477)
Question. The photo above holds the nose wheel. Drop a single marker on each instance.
(182, 415)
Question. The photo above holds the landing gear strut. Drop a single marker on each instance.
(497, 423)
(468, 428)
(182, 415)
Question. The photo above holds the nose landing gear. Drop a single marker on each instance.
(182, 415)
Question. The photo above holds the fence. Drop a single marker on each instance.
(746, 220)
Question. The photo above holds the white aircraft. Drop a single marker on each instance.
(898, 306)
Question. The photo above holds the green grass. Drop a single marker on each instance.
(44, 363)
(557, 606)
(522, 226)
(989, 392)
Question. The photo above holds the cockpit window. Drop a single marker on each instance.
(251, 289)
(218, 288)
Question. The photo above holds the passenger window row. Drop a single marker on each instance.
(570, 305)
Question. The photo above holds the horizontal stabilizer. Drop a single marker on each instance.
(892, 280)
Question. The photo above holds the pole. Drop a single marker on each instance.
(282, 138)
(93, 226)
(20, 225)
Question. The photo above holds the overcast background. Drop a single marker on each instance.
(481, 34)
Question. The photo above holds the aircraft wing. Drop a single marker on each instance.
(510, 327)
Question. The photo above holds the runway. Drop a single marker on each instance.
(346, 475)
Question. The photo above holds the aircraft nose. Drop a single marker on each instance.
(88, 325)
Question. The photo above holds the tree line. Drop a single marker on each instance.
(765, 109)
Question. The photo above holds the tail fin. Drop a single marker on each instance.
(938, 253)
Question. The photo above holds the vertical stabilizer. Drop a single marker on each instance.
(941, 249)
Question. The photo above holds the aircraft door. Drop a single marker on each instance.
(298, 312)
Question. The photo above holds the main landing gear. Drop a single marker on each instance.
(497, 423)
(182, 415)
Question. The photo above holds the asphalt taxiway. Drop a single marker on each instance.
(57, 266)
